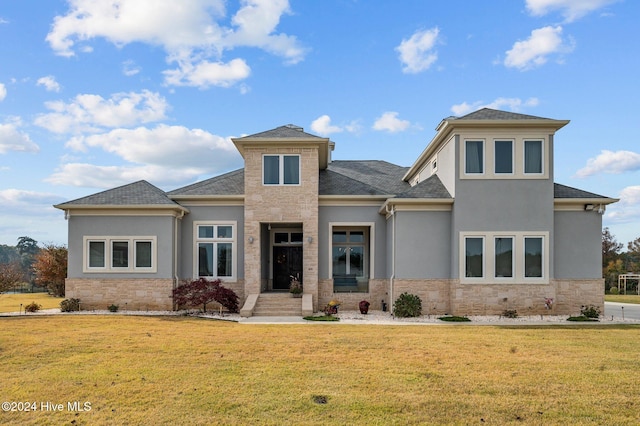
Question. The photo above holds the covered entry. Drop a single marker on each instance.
(286, 255)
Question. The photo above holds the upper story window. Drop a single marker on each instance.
(474, 157)
(532, 157)
(503, 157)
(281, 169)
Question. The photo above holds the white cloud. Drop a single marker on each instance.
(12, 139)
(205, 74)
(612, 162)
(322, 126)
(3, 92)
(417, 53)
(390, 122)
(196, 40)
(27, 200)
(535, 51)
(91, 113)
(164, 154)
(628, 208)
(129, 68)
(512, 104)
(571, 9)
(50, 83)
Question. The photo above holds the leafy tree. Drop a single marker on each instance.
(610, 247)
(8, 254)
(10, 275)
(28, 248)
(611, 273)
(50, 267)
(202, 291)
(633, 255)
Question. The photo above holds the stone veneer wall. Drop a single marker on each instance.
(130, 294)
(573, 294)
(434, 294)
(281, 204)
(349, 301)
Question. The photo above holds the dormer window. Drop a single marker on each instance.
(281, 169)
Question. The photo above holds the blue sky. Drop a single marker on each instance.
(95, 94)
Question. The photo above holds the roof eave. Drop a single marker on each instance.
(67, 207)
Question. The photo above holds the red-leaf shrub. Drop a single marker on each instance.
(202, 291)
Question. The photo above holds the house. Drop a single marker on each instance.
(475, 226)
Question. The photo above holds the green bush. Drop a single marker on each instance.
(32, 307)
(407, 306)
(113, 308)
(590, 311)
(70, 305)
(613, 290)
(454, 318)
(510, 313)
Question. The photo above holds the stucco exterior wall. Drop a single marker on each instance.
(161, 227)
(578, 244)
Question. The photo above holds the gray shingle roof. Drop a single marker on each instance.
(431, 187)
(381, 175)
(290, 131)
(140, 193)
(563, 191)
(494, 114)
(231, 183)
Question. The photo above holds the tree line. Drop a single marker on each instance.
(615, 261)
(28, 263)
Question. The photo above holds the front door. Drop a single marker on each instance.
(287, 263)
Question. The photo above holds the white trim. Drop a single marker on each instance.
(518, 257)
(484, 158)
(214, 240)
(371, 249)
(281, 169)
(513, 263)
(542, 156)
(108, 254)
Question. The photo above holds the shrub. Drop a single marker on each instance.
(510, 313)
(32, 307)
(454, 318)
(113, 308)
(202, 291)
(590, 311)
(613, 290)
(70, 305)
(407, 306)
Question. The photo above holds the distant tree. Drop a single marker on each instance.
(28, 248)
(611, 272)
(50, 268)
(202, 292)
(633, 255)
(8, 254)
(610, 247)
(10, 275)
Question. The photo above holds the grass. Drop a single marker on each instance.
(622, 298)
(182, 370)
(11, 302)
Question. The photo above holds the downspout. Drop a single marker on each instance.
(391, 212)
(175, 249)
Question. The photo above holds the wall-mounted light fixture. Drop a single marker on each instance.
(309, 239)
(589, 207)
(250, 240)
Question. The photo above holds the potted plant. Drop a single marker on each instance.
(364, 307)
(332, 307)
(295, 286)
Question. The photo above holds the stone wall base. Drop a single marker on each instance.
(350, 301)
(130, 294)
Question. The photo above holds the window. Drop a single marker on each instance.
(281, 169)
(119, 254)
(533, 257)
(215, 248)
(503, 257)
(503, 157)
(350, 259)
(474, 157)
(474, 255)
(513, 257)
(533, 157)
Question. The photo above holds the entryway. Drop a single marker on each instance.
(286, 255)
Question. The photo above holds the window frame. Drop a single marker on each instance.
(495, 257)
(369, 246)
(282, 175)
(524, 157)
(484, 257)
(215, 240)
(108, 255)
(495, 162)
(484, 157)
(542, 255)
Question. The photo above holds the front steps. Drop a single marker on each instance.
(277, 305)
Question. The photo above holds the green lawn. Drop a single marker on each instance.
(182, 370)
(622, 298)
(12, 302)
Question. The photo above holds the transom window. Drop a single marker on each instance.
(215, 246)
(281, 169)
(120, 254)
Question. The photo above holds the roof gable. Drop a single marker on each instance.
(494, 114)
(289, 131)
(140, 193)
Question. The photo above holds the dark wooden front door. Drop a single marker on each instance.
(287, 262)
